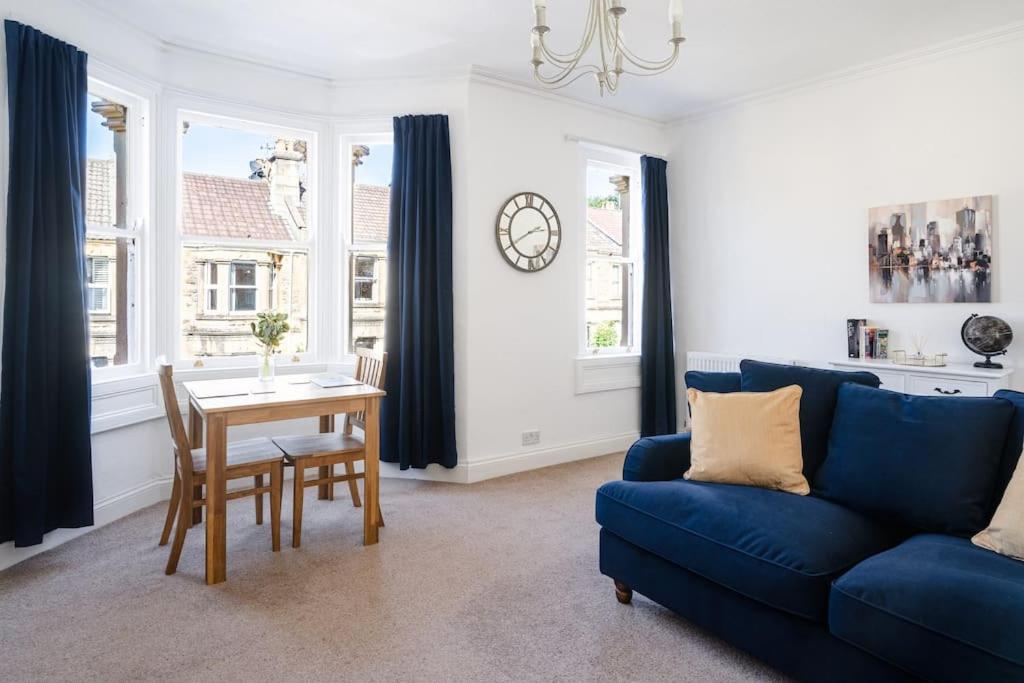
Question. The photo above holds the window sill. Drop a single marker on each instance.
(124, 401)
(607, 372)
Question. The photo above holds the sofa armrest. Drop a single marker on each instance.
(657, 458)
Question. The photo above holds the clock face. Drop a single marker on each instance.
(528, 231)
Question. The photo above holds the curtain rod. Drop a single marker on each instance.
(607, 145)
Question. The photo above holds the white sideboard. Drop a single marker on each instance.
(951, 380)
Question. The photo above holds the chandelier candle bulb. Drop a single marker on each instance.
(675, 12)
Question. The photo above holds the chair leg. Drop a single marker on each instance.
(258, 483)
(197, 514)
(172, 509)
(276, 481)
(297, 505)
(330, 485)
(184, 522)
(380, 516)
(353, 486)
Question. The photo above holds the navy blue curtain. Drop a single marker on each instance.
(418, 415)
(657, 346)
(45, 452)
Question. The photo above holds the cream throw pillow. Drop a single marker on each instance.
(1005, 534)
(747, 438)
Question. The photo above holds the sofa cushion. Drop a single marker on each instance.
(774, 547)
(936, 606)
(928, 462)
(716, 382)
(816, 406)
(748, 438)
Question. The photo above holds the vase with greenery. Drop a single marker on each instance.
(269, 331)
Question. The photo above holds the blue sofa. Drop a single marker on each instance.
(873, 576)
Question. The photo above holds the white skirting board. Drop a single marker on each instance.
(104, 512)
(157, 490)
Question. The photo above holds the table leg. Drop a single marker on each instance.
(325, 491)
(195, 437)
(216, 499)
(372, 471)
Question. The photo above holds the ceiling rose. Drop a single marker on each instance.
(603, 26)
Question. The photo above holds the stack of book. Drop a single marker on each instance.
(866, 341)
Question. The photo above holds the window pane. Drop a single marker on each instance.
(221, 328)
(105, 141)
(109, 277)
(245, 205)
(608, 297)
(607, 195)
(371, 193)
(243, 185)
(366, 309)
(243, 300)
(243, 274)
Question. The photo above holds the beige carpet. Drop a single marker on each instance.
(492, 581)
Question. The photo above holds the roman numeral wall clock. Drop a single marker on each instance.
(528, 232)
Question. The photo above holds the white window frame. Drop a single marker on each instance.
(615, 162)
(138, 145)
(368, 133)
(209, 113)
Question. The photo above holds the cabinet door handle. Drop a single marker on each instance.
(951, 392)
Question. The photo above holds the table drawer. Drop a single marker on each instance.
(935, 386)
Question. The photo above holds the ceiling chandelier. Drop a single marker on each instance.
(603, 25)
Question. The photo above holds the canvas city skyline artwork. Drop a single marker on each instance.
(931, 252)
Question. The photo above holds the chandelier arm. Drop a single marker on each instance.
(586, 38)
(557, 85)
(642, 63)
(662, 70)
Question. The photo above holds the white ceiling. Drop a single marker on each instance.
(734, 47)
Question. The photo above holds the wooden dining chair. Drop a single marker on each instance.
(250, 458)
(331, 448)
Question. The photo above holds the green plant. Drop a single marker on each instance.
(603, 202)
(606, 335)
(270, 329)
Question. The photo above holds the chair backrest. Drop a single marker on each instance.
(179, 437)
(371, 368)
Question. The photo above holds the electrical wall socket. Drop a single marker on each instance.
(531, 438)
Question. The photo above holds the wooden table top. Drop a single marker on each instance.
(226, 395)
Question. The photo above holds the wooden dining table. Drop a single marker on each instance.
(225, 403)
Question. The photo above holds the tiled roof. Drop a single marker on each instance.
(216, 206)
(100, 181)
(371, 205)
(604, 231)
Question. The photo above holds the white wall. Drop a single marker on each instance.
(515, 334)
(770, 204)
(523, 328)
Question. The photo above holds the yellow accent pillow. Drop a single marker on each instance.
(748, 438)
(1005, 534)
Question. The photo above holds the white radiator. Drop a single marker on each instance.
(723, 362)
